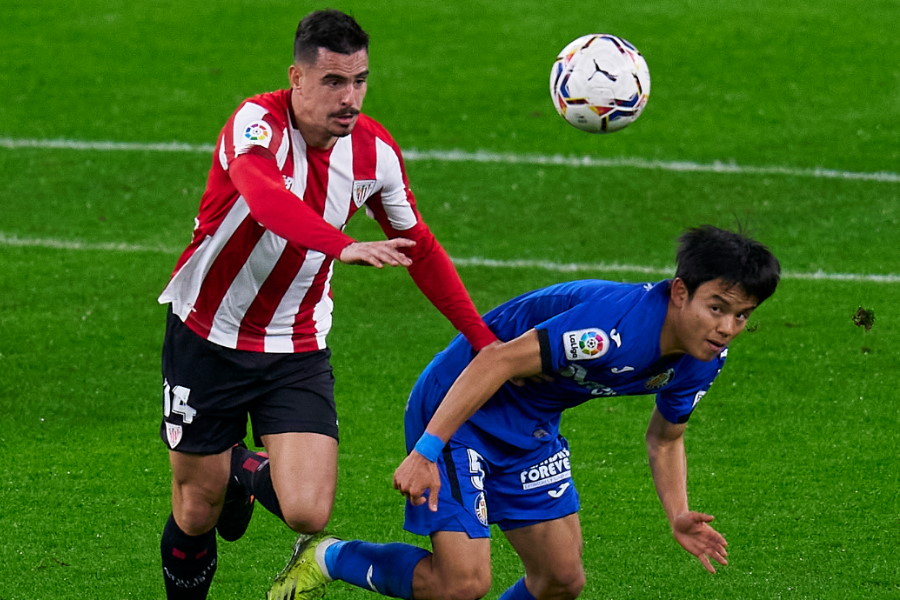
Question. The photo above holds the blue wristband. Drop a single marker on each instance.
(429, 446)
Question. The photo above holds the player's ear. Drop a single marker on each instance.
(295, 76)
(678, 292)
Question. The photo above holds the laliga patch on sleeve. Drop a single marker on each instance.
(258, 133)
(585, 344)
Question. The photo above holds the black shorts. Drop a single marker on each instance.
(209, 391)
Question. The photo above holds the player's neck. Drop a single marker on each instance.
(669, 344)
(314, 137)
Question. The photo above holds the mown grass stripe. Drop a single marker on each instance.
(483, 156)
(547, 265)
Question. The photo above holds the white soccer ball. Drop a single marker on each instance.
(600, 83)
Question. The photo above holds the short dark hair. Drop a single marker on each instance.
(330, 29)
(706, 253)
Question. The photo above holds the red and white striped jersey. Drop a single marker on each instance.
(240, 285)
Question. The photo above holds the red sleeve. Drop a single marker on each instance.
(434, 274)
(257, 178)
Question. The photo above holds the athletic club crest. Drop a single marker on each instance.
(362, 189)
(173, 434)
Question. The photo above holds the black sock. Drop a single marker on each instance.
(252, 470)
(188, 562)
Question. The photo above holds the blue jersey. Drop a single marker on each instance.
(597, 339)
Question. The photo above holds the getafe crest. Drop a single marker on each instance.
(481, 509)
(660, 380)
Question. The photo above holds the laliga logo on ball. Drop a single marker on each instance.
(600, 83)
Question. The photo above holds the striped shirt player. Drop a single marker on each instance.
(251, 303)
(241, 284)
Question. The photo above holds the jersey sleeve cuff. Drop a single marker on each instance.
(546, 354)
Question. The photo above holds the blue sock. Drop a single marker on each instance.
(517, 592)
(383, 568)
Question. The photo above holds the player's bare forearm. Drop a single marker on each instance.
(494, 365)
(668, 464)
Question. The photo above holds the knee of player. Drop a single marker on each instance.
(566, 583)
(306, 519)
(196, 515)
(195, 518)
(472, 587)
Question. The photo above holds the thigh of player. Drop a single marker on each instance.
(198, 489)
(535, 502)
(459, 567)
(551, 552)
(304, 475)
(295, 418)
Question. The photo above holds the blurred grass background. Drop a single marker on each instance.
(793, 450)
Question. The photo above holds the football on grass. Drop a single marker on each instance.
(600, 83)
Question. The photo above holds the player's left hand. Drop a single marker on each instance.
(414, 476)
(378, 253)
(692, 531)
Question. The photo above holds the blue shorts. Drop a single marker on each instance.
(512, 488)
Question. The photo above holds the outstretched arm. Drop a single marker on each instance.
(491, 368)
(257, 178)
(668, 464)
(434, 274)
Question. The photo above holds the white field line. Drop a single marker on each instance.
(483, 156)
(461, 156)
(546, 265)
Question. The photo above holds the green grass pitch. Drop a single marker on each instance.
(778, 116)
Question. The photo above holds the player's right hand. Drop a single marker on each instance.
(414, 476)
(377, 254)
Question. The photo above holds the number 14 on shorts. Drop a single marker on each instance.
(175, 400)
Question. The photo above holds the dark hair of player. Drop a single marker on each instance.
(329, 29)
(706, 253)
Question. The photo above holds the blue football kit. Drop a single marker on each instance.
(509, 464)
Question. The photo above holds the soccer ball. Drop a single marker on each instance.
(600, 83)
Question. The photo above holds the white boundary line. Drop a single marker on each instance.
(546, 265)
(483, 156)
(461, 156)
